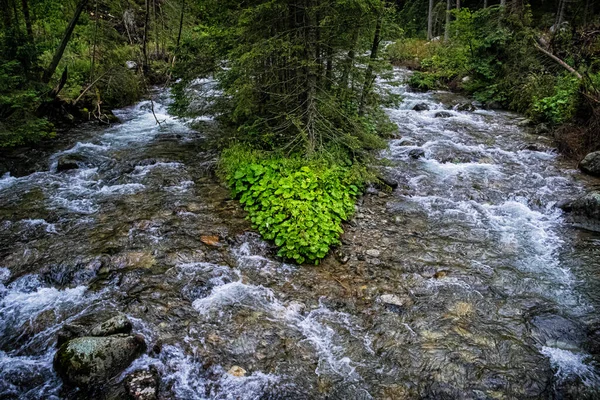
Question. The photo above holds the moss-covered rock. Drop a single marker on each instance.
(88, 361)
(591, 164)
(118, 324)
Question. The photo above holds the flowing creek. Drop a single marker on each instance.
(466, 282)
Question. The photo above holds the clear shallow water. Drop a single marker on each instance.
(498, 292)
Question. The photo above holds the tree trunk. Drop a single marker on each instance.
(369, 75)
(430, 21)
(63, 44)
(458, 4)
(311, 78)
(180, 25)
(6, 17)
(145, 38)
(95, 42)
(586, 11)
(25, 7)
(561, 14)
(485, 3)
(447, 27)
(350, 58)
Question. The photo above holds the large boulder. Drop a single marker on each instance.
(89, 361)
(591, 163)
(587, 206)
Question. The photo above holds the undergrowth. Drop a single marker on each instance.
(297, 203)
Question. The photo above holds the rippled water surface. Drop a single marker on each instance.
(466, 282)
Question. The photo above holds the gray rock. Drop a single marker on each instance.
(131, 64)
(89, 361)
(373, 253)
(465, 107)
(587, 205)
(541, 129)
(421, 107)
(143, 384)
(395, 303)
(591, 163)
(68, 332)
(392, 299)
(524, 122)
(443, 114)
(68, 162)
(118, 324)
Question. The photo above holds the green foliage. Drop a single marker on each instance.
(297, 203)
(425, 81)
(561, 106)
(18, 102)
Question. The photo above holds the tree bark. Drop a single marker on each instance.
(180, 25)
(63, 44)
(350, 58)
(145, 38)
(561, 14)
(369, 75)
(447, 27)
(25, 7)
(430, 21)
(586, 12)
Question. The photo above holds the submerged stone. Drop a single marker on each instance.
(115, 325)
(89, 361)
(237, 371)
(143, 384)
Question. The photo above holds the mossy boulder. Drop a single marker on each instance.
(587, 206)
(90, 361)
(591, 164)
(117, 324)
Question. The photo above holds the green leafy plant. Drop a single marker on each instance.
(297, 203)
(559, 107)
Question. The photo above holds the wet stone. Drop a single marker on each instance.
(90, 361)
(237, 371)
(421, 107)
(416, 153)
(443, 114)
(115, 325)
(591, 164)
(373, 253)
(68, 162)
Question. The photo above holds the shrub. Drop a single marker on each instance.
(297, 203)
(561, 106)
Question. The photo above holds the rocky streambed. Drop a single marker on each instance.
(464, 282)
